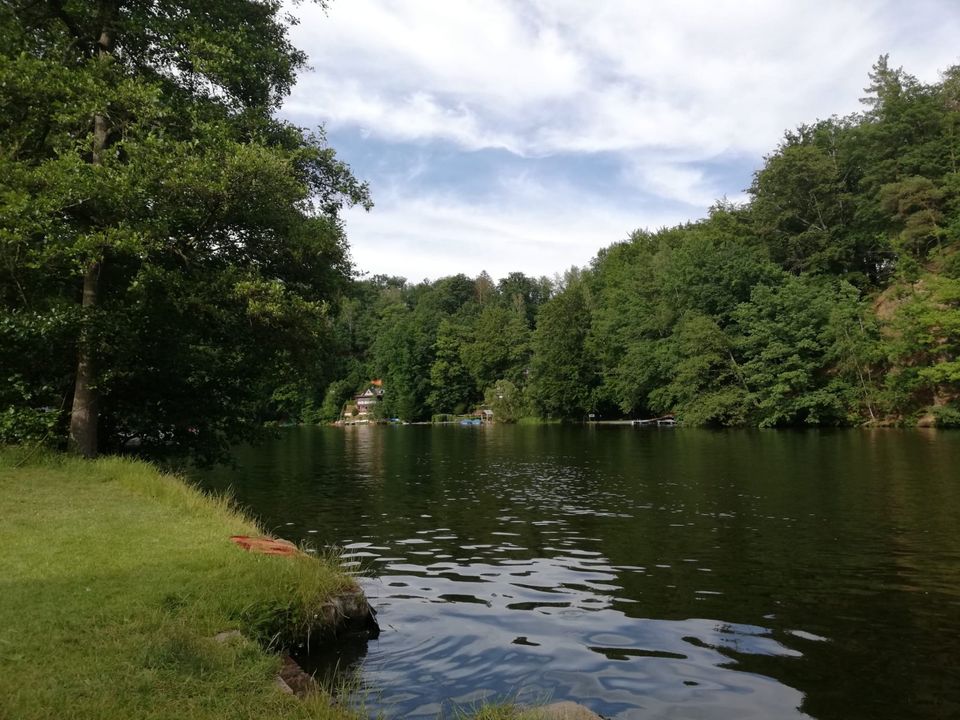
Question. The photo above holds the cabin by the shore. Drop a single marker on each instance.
(361, 408)
(366, 401)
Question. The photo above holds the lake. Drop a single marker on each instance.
(644, 573)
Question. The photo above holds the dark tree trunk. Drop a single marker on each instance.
(85, 412)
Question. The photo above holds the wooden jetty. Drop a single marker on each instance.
(662, 421)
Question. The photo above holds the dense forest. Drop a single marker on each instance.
(174, 273)
(831, 297)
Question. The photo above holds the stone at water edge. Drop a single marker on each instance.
(292, 676)
(566, 710)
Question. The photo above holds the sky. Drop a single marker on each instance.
(525, 135)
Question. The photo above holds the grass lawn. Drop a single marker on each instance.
(114, 578)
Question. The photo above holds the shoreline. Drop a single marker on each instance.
(124, 597)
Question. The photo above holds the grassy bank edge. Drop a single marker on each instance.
(116, 579)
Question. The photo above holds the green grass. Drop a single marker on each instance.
(507, 710)
(114, 578)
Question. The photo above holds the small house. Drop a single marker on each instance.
(369, 398)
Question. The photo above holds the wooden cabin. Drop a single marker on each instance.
(369, 398)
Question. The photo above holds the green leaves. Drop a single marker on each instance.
(506, 401)
(785, 341)
(705, 385)
(214, 226)
(924, 344)
(563, 375)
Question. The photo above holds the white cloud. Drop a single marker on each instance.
(664, 87)
(417, 116)
(685, 184)
(546, 76)
(541, 230)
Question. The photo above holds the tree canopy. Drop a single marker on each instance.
(170, 249)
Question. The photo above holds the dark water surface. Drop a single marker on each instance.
(644, 573)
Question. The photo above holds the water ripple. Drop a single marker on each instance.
(646, 575)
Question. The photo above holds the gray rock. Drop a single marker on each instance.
(566, 710)
(292, 675)
(227, 636)
(347, 614)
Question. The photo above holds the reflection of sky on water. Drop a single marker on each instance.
(677, 574)
(529, 608)
(549, 627)
(465, 621)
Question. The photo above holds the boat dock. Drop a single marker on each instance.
(662, 421)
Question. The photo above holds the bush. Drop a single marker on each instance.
(951, 266)
(947, 416)
(506, 401)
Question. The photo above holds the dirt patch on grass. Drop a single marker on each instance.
(264, 545)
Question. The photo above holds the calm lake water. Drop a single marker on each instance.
(643, 573)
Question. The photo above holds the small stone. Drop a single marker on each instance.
(282, 684)
(227, 636)
(567, 710)
(299, 682)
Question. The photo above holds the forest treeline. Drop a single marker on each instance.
(174, 271)
(831, 297)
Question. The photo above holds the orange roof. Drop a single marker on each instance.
(378, 383)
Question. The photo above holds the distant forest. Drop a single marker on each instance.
(832, 297)
(175, 275)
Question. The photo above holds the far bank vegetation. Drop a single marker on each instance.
(831, 297)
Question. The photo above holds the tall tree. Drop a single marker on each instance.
(924, 345)
(785, 342)
(452, 388)
(499, 347)
(563, 376)
(149, 183)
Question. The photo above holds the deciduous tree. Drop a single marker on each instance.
(185, 240)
